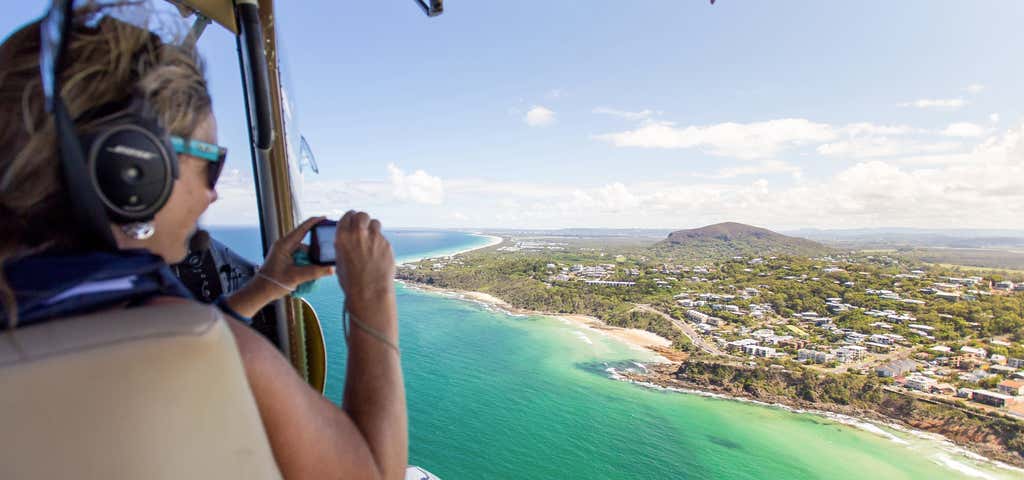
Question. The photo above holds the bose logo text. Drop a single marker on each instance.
(131, 152)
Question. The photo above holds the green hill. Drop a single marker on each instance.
(731, 239)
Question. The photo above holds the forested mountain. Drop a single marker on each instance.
(731, 239)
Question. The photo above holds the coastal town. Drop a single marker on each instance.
(736, 319)
(950, 336)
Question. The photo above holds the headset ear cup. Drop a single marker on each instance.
(133, 171)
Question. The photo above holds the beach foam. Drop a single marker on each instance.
(937, 441)
(965, 469)
(583, 337)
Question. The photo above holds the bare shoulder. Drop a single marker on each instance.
(258, 354)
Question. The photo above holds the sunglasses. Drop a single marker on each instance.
(214, 154)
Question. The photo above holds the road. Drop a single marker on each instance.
(695, 337)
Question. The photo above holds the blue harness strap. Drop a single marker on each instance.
(54, 285)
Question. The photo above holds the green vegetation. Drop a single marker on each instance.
(788, 284)
(519, 280)
(728, 239)
(991, 259)
(787, 305)
(856, 391)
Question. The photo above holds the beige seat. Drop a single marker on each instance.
(154, 392)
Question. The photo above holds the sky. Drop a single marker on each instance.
(650, 114)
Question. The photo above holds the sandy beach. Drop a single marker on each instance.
(636, 338)
(644, 340)
(492, 240)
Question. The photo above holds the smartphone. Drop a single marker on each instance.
(321, 243)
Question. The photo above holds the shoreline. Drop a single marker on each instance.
(634, 338)
(492, 241)
(865, 420)
(665, 361)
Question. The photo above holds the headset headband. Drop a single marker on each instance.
(128, 173)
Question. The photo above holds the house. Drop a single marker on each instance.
(741, 344)
(1012, 387)
(883, 339)
(759, 351)
(1004, 285)
(993, 398)
(814, 356)
(974, 352)
(878, 347)
(941, 349)
(850, 353)
(896, 368)
(920, 382)
(1001, 370)
(943, 389)
(699, 317)
(997, 358)
(854, 337)
(974, 377)
(1015, 362)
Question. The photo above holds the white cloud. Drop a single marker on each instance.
(993, 117)
(765, 167)
(767, 139)
(418, 186)
(964, 129)
(899, 176)
(539, 116)
(740, 140)
(641, 115)
(936, 191)
(939, 103)
(613, 197)
(975, 88)
(865, 128)
(869, 147)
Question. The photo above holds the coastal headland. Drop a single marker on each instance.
(637, 297)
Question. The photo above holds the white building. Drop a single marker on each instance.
(850, 353)
(920, 382)
(814, 356)
(974, 352)
(759, 351)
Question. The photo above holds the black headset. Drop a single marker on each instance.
(130, 163)
(125, 171)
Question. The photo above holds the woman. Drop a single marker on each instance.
(107, 61)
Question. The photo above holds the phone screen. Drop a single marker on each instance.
(325, 243)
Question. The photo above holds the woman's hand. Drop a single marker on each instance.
(366, 269)
(282, 271)
(280, 266)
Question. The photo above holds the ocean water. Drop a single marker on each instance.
(493, 395)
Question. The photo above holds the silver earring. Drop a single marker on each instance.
(139, 230)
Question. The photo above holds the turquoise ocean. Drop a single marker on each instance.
(498, 396)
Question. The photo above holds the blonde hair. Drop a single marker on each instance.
(105, 62)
